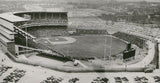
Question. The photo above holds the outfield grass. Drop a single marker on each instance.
(92, 46)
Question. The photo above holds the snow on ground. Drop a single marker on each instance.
(36, 74)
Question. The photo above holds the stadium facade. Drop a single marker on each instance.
(13, 27)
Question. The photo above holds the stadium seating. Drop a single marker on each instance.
(91, 31)
(131, 38)
(47, 31)
(46, 22)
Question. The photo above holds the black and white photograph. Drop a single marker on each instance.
(79, 41)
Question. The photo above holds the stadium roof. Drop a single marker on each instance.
(42, 11)
(12, 18)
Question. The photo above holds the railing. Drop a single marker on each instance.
(25, 34)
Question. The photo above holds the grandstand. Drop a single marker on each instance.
(22, 28)
(45, 18)
(47, 34)
(47, 31)
(139, 41)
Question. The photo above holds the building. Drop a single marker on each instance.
(7, 31)
(13, 25)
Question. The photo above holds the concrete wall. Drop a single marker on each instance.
(11, 47)
(7, 24)
(3, 47)
(7, 33)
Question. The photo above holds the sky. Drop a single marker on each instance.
(93, 0)
(141, 0)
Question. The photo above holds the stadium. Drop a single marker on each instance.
(45, 34)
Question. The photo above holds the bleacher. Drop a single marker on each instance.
(131, 38)
(46, 22)
(91, 31)
(47, 31)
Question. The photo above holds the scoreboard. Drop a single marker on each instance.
(129, 53)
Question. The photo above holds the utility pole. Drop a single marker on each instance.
(26, 41)
(110, 48)
(105, 48)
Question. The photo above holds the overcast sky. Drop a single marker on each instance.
(141, 0)
(93, 0)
